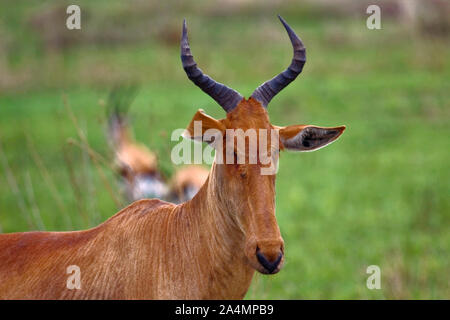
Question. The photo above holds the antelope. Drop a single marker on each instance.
(205, 248)
(138, 166)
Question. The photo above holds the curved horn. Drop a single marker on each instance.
(265, 92)
(226, 97)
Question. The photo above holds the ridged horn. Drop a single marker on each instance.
(269, 89)
(226, 97)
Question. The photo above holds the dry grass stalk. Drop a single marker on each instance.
(95, 157)
(49, 181)
(12, 182)
(33, 204)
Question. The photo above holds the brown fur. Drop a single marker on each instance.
(149, 250)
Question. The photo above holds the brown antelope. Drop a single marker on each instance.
(206, 248)
(138, 166)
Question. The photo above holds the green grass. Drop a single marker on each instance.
(380, 195)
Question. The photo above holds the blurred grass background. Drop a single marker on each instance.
(380, 195)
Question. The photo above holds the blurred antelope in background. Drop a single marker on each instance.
(206, 248)
(138, 165)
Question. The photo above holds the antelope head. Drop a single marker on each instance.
(248, 190)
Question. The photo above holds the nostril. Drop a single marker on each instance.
(268, 265)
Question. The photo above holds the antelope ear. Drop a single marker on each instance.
(308, 138)
(204, 128)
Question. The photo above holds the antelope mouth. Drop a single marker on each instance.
(265, 265)
(269, 267)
